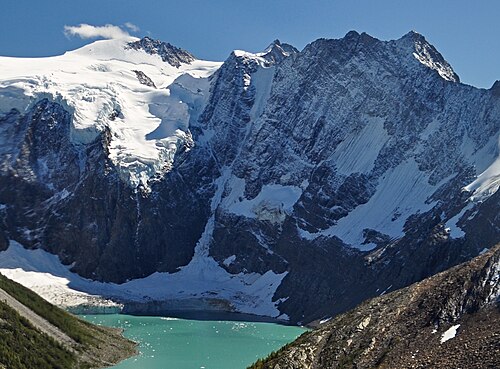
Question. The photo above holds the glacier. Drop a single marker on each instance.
(98, 85)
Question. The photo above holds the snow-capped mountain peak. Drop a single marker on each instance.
(169, 53)
(102, 84)
(427, 54)
(277, 51)
(273, 54)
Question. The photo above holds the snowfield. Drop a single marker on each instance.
(99, 85)
(203, 278)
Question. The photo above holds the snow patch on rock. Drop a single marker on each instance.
(451, 226)
(401, 192)
(450, 333)
(358, 152)
(273, 203)
(262, 81)
(488, 181)
(229, 260)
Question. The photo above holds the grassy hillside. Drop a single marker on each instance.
(77, 329)
(22, 346)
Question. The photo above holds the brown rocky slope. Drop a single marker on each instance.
(406, 328)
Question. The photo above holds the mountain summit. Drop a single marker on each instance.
(283, 183)
(427, 54)
(168, 53)
(277, 51)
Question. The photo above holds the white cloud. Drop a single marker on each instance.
(132, 27)
(108, 31)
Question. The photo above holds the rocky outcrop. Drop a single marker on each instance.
(496, 88)
(450, 320)
(168, 53)
(144, 79)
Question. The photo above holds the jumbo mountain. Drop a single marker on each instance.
(282, 183)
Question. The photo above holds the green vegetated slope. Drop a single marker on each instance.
(23, 346)
(77, 329)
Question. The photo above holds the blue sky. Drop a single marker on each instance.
(466, 32)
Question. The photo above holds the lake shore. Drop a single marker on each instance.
(193, 309)
(196, 309)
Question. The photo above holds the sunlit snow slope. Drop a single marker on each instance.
(100, 85)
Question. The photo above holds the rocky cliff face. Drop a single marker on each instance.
(168, 53)
(350, 168)
(450, 320)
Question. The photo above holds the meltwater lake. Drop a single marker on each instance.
(171, 343)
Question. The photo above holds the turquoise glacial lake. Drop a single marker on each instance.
(171, 343)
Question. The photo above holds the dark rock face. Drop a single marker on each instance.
(495, 89)
(168, 53)
(344, 165)
(71, 201)
(406, 328)
(144, 79)
(319, 100)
